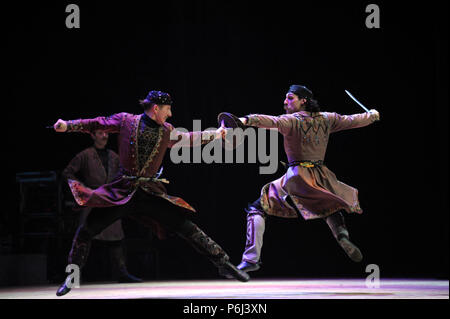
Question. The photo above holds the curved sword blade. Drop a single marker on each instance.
(354, 99)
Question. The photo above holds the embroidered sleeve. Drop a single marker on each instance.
(110, 124)
(283, 123)
(346, 122)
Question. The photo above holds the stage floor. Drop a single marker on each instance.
(254, 289)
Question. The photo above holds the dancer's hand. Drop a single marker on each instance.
(60, 126)
(374, 114)
(221, 132)
(243, 120)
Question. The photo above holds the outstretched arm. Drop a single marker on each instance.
(191, 139)
(346, 122)
(110, 124)
(283, 123)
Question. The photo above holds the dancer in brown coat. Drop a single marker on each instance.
(308, 188)
(93, 167)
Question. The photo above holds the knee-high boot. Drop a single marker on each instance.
(81, 246)
(337, 225)
(203, 244)
(77, 256)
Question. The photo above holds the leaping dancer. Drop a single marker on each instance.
(308, 188)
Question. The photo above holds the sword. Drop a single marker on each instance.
(359, 103)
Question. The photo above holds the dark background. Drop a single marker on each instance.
(241, 57)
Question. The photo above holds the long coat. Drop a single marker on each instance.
(87, 168)
(122, 189)
(315, 191)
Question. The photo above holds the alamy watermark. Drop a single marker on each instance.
(73, 279)
(373, 19)
(73, 19)
(373, 279)
(222, 150)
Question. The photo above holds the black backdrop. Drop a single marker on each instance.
(241, 57)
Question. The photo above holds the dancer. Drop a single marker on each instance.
(308, 188)
(93, 167)
(137, 191)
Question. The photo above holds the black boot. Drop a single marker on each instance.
(78, 255)
(229, 271)
(350, 249)
(247, 266)
(63, 289)
(67, 285)
(340, 232)
(208, 247)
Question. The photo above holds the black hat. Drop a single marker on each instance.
(301, 91)
(158, 97)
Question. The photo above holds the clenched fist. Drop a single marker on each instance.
(60, 126)
(374, 114)
(221, 132)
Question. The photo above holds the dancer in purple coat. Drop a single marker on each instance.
(137, 189)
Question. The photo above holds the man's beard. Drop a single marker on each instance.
(289, 110)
